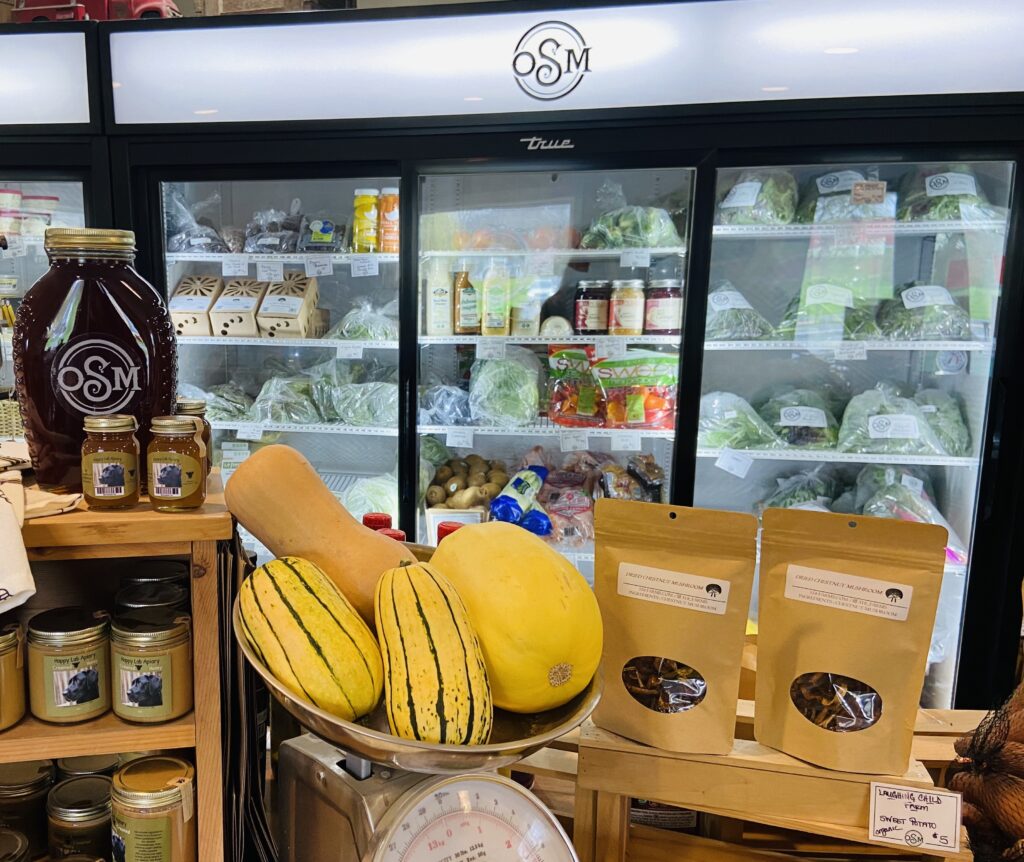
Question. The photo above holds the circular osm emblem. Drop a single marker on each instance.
(829, 181)
(790, 414)
(879, 424)
(94, 376)
(550, 60)
(914, 294)
(938, 182)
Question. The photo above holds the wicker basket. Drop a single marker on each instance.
(10, 419)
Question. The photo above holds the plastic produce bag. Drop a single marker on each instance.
(188, 230)
(632, 227)
(285, 400)
(943, 192)
(272, 232)
(518, 495)
(829, 197)
(372, 494)
(365, 323)
(434, 452)
(325, 379)
(505, 392)
(570, 506)
(731, 318)
(445, 405)
(946, 419)
(227, 402)
(898, 501)
(879, 422)
(763, 196)
(808, 486)
(874, 477)
(801, 417)
(366, 404)
(728, 421)
(321, 234)
(922, 312)
(828, 312)
(639, 390)
(575, 400)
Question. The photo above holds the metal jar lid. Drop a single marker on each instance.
(173, 426)
(13, 846)
(152, 782)
(25, 778)
(592, 283)
(190, 406)
(158, 572)
(158, 595)
(666, 282)
(9, 636)
(78, 800)
(148, 627)
(628, 282)
(67, 627)
(88, 239)
(115, 422)
(88, 764)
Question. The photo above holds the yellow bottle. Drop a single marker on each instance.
(496, 299)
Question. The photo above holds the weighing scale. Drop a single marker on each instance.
(355, 793)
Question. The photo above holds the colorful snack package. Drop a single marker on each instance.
(639, 389)
(574, 397)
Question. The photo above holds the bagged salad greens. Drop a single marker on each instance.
(373, 494)
(828, 312)
(943, 192)
(898, 501)
(366, 323)
(874, 477)
(632, 227)
(434, 452)
(505, 392)
(638, 390)
(882, 423)
(731, 318)
(366, 404)
(801, 417)
(761, 196)
(923, 312)
(325, 378)
(830, 197)
(227, 402)
(817, 486)
(946, 419)
(285, 400)
(728, 421)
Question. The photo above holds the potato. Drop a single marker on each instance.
(491, 490)
(458, 465)
(498, 477)
(435, 495)
(466, 499)
(477, 479)
(454, 485)
(442, 475)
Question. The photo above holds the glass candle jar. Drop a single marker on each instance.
(12, 675)
(140, 596)
(153, 803)
(151, 661)
(78, 817)
(197, 407)
(110, 462)
(13, 846)
(177, 468)
(23, 789)
(68, 665)
(89, 764)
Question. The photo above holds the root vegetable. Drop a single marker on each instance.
(999, 796)
(435, 495)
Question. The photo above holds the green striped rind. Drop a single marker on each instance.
(435, 681)
(311, 638)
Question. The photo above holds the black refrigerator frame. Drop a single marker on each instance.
(708, 137)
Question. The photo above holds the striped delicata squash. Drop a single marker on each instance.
(311, 638)
(435, 682)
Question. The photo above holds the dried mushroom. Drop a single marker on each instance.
(834, 702)
(663, 684)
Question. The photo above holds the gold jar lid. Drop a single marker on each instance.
(13, 846)
(153, 782)
(87, 764)
(190, 406)
(115, 422)
(88, 239)
(79, 800)
(25, 778)
(149, 627)
(9, 637)
(67, 627)
(172, 426)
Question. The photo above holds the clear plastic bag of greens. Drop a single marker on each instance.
(731, 318)
(879, 422)
(434, 452)
(923, 312)
(898, 501)
(828, 312)
(285, 400)
(366, 404)
(801, 417)
(445, 405)
(227, 402)
(808, 486)
(946, 419)
(372, 494)
(632, 227)
(728, 421)
(874, 477)
(838, 196)
(505, 392)
(943, 192)
(761, 196)
(325, 379)
(365, 323)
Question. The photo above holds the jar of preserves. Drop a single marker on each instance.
(78, 817)
(12, 675)
(626, 307)
(110, 462)
(590, 307)
(68, 665)
(197, 407)
(92, 337)
(151, 662)
(364, 221)
(23, 789)
(159, 596)
(663, 311)
(87, 764)
(13, 845)
(177, 464)
(153, 803)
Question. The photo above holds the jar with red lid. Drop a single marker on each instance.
(663, 310)
(590, 307)
(377, 520)
(626, 307)
(446, 528)
(397, 535)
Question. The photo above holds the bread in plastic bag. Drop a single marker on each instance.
(879, 422)
(632, 227)
(801, 417)
(727, 421)
(760, 196)
(285, 400)
(923, 312)
(946, 419)
(731, 318)
(365, 323)
(445, 405)
(505, 392)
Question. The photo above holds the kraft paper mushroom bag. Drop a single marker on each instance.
(846, 612)
(674, 587)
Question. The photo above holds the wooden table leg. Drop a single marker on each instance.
(612, 827)
(584, 824)
(206, 646)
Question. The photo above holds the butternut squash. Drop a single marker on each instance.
(279, 498)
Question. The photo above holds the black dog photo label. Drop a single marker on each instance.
(144, 685)
(174, 476)
(74, 684)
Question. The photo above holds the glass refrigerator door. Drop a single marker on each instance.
(848, 350)
(284, 298)
(27, 208)
(550, 318)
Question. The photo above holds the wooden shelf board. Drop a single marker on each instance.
(32, 739)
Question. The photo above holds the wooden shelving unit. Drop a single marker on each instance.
(141, 532)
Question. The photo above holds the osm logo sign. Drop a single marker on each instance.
(550, 61)
(938, 183)
(93, 376)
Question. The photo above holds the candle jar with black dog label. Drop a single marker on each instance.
(68, 665)
(151, 659)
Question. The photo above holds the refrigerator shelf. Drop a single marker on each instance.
(285, 342)
(672, 340)
(251, 258)
(898, 228)
(823, 346)
(545, 428)
(294, 428)
(827, 455)
(560, 253)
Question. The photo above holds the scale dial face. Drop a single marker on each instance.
(470, 818)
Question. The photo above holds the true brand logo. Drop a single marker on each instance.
(94, 376)
(550, 61)
(538, 143)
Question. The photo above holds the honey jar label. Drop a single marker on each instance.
(144, 686)
(141, 839)
(74, 683)
(174, 476)
(110, 475)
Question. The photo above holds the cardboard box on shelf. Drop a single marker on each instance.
(288, 308)
(234, 313)
(191, 302)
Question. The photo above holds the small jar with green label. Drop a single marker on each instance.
(12, 675)
(154, 812)
(68, 665)
(177, 464)
(151, 662)
(110, 462)
(197, 407)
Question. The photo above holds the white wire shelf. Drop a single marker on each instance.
(545, 428)
(877, 228)
(285, 342)
(831, 456)
(254, 257)
(254, 428)
(673, 340)
(560, 253)
(824, 346)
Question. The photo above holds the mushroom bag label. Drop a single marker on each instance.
(674, 588)
(846, 612)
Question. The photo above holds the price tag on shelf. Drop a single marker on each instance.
(541, 265)
(364, 265)
(269, 270)
(613, 348)
(459, 438)
(6, 348)
(736, 463)
(15, 247)
(849, 351)
(350, 351)
(625, 441)
(574, 440)
(317, 265)
(915, 817)
(490, 348)
(635, 257)
(234, 265)
(249, 431)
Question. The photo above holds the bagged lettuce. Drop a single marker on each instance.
(325, 379)
(285, 400)
(632, 227)
(829, 197)
(227, 402)
(728, 421)
(731, 318)
(898, 501)
(373, 494)
(801, 417)
(762, 196)
(943, 192)
(923, 312)
(366, 404)
(444, 405)
(505, 392)
(365, 323)
(946, 419)
(874, 477)
(828, 312)
(816, 486)
(883, 423)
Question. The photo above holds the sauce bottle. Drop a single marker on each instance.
(93, 337)
(496, 299)
(467, 305)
